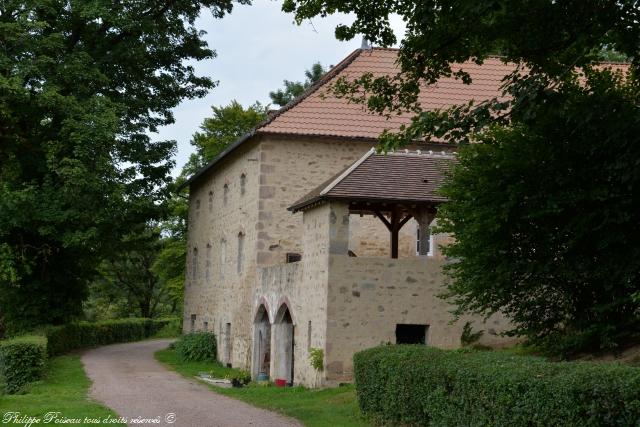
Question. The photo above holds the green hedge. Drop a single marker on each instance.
(196, 346)
(418, 385)
(62, 339)
(22, 360)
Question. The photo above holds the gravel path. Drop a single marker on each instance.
(128, 379)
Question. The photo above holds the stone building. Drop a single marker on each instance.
(301, 237)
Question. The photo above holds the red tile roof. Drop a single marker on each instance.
(319, 112)
(411, 177)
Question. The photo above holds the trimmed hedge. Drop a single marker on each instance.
(22, 360)
(62, 339)
(196, 346)
(418, 385)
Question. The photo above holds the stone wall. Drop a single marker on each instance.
(218, 293)
(368, 297)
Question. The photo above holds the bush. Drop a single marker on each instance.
(22, 360)
(62, 339)
(196, 346)
(238, 377)
(419, 385)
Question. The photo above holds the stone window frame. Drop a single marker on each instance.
(210, 206)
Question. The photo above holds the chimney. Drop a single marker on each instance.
(365, 44)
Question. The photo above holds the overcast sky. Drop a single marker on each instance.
(258, 46)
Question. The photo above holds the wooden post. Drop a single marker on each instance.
(394, 232)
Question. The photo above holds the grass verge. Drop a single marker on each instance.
(314, 408)
(63, 391)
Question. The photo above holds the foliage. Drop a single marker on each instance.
(329, 407)
(292, 90)
(128, 284)
(64, 338)
(563, 247)
(197, 346)
(172, 329)
(316, 357)
(224, 127)
(418, 385)
(22, 360)
(543, 207)
(64, 389)
(238, 377)
(82, 85)
(469, 336)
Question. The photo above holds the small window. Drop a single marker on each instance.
(197, 204)
(225, 195)
(193, 322)
(411, 334)
(309, 336)
(205, 326)
(293, 257)
(210, 201)
(243, 184)
(240, 252)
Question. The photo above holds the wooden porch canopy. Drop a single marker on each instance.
(394, 187)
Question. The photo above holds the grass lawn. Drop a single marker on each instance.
(64, 390)
(314, 408)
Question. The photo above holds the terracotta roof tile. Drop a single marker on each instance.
(318, 112)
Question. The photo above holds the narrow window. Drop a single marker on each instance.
(193, 322)
(197, 204)
(223, 257)
(411, 334)
(194, 264)
(309, 336)
(429, 242)
(243, 184)
(227, 344)
(225, 195)
(240, 252)
(208, 263)
(210, 201)
(205, 325)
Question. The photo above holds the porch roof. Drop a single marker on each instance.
(410, 178)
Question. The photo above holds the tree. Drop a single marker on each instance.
(292, 90)
(81, 84)
(542, 205)
(227, 124)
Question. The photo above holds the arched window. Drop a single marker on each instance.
(240, 252)
(210, 201)
(243, 184)
(225, 194)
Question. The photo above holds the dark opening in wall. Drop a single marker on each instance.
(293, 257)
(193, 322)
(411, 334)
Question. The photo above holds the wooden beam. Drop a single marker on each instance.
(405, 220)
(383, 219)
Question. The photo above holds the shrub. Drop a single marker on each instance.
(238, 377)
(316, 357)
(418, 385)
(62, 339)
(196, 346)
(22, 360)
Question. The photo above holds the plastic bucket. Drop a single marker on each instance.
(281, 383)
